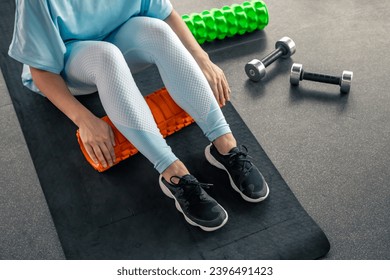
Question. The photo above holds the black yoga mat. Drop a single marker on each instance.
(122, 213)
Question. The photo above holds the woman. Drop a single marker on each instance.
(78, 47)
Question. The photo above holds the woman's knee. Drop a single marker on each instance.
(89, 61)
(160, 28)
(106, 53)
(93, 53)
(154, 32)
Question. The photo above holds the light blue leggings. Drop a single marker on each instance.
(105, 66)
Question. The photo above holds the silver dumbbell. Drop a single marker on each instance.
(255, 69)
(344, 81)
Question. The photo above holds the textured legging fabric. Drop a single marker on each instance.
(106, 66)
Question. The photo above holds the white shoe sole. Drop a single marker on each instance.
(219, 165)
(168, 193)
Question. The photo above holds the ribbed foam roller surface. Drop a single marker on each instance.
(168, 116)
(228, 21)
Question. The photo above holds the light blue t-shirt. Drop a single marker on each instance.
(44, 27)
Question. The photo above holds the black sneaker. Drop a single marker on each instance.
(244, 176)
(199, 209)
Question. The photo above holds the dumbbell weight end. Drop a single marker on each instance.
(346, 80)
(288, 46)
(296, 74)
(255, 70)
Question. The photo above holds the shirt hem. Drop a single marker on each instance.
(34, 64)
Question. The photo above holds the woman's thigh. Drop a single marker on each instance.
(81, 61)
(133, 39)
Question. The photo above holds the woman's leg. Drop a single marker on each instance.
(101, 65)
(148, 40)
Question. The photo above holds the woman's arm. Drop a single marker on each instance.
(213, 73)
(96, 134)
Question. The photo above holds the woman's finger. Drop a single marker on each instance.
(91, 153)
(105, 148)
(214, 88)
(100, 155)
(110, 153)
(226, 88)
(221, 94)
(112, 137)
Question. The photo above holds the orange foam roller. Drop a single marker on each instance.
(168, 116)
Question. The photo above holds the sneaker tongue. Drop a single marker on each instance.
(245, 164)
(234, 150)
(193, 190)
(188, 178)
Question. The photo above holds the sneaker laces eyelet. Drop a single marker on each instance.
(195, 192)
(241, 160)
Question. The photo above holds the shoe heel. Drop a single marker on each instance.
(164, 188)
(211, 159)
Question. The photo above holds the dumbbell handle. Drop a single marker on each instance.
(274, 55)
(320, 78)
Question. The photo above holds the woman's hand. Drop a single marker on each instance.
(98, 140)
(217, 80)
(96, 134)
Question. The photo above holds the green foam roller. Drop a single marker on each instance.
(228, 21)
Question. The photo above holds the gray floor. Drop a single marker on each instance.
(26, 227)
(331, 149)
